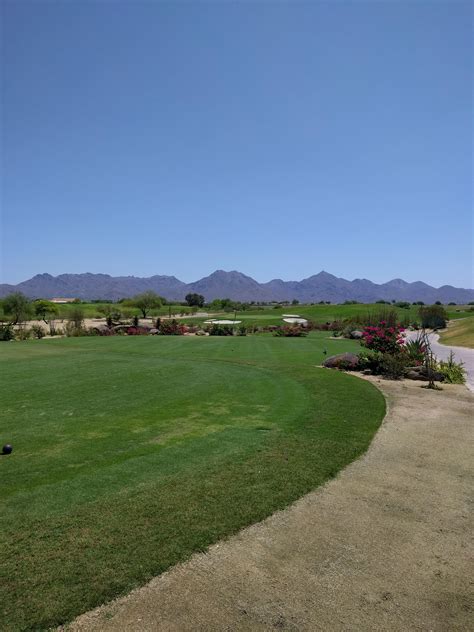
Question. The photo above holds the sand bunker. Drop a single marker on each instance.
(295, 321)
(222, 322)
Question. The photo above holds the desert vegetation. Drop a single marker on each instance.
(18, 312)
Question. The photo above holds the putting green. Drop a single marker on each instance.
(130, 453)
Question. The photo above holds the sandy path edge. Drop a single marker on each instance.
(384, 546)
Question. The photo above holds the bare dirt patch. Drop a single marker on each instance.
(384, 546)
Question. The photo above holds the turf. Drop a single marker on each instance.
(270, 315)
(325, 313)
(131, 453)
(460, 333)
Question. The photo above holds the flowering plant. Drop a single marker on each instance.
(291, 331)
(415, 351)
(383, 338)
(171, 328)
(137, 331)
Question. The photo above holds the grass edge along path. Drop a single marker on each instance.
(460, 333)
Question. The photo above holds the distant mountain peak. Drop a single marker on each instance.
(233, 284)
(397, 283)
(323, 275)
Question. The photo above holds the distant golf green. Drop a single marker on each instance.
(131, 453)
(271, 315)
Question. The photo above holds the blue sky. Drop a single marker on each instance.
(275, 138)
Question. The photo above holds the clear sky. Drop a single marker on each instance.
(275, 138)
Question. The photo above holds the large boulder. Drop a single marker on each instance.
(344, 361)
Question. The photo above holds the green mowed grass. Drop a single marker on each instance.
(131, 453)
(328, 313)
(272, 316)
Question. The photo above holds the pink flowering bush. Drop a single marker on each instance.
(171, 328)
(291, 331)
(137, 331)
(383, 338)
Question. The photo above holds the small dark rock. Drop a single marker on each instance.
(437, 377)
(420, 373)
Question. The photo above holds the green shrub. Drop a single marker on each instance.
(17, 306)
(367, 359)
(220, 330)
(290, 331)
(433, 316)
(391, 365)
(6, 333)
(37, 332)
(453, 371)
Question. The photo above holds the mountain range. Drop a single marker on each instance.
(237, 286)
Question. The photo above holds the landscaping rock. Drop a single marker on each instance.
(420, 373)
(356, 334)
(100, 329)
(415, 375)
(342, 361)
(437, 377)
